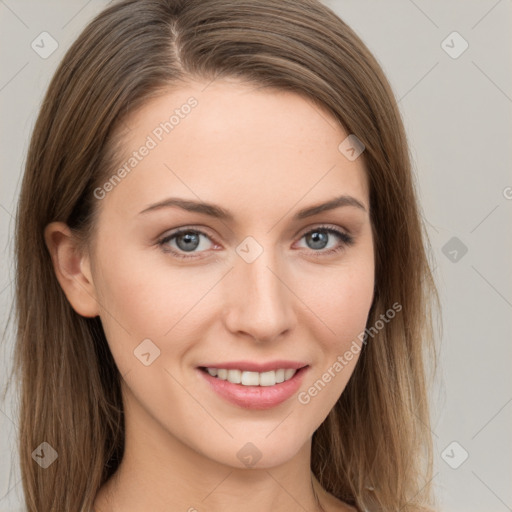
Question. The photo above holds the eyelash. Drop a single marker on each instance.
(346, 241)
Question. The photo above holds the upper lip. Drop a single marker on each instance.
(252, 366)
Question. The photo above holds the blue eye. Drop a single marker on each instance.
(319, 237)
(188, 240)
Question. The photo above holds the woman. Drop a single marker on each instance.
(223, 295)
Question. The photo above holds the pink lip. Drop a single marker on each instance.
(251, 366)
(255, 397)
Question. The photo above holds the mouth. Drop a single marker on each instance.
(252, 389)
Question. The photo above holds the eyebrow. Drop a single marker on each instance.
(220, 213)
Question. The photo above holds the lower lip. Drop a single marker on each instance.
(255, 397)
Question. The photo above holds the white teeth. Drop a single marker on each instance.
(288, 374)
(279, 376)
(250, 379)
(267, 378)
(234, 376)
(245, 378)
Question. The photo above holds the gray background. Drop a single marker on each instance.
(457, 113)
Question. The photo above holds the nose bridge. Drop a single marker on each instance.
(260, 304)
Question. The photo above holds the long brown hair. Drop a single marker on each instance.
(374, 450)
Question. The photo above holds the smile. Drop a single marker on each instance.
(251, 389)
(246, 378)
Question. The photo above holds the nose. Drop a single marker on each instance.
(260, 303)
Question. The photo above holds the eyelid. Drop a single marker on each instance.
(321, 225)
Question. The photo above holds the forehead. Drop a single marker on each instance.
(252, 149)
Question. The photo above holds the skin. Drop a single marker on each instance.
(263, 155)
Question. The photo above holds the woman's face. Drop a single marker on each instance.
(251, 284)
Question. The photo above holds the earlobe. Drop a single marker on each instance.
(72, 269)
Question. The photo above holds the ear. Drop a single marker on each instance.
(72, 269)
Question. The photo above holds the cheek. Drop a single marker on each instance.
(139, 290)
(342, 306)
(350, 302)
(340, 298)
(143, 297)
